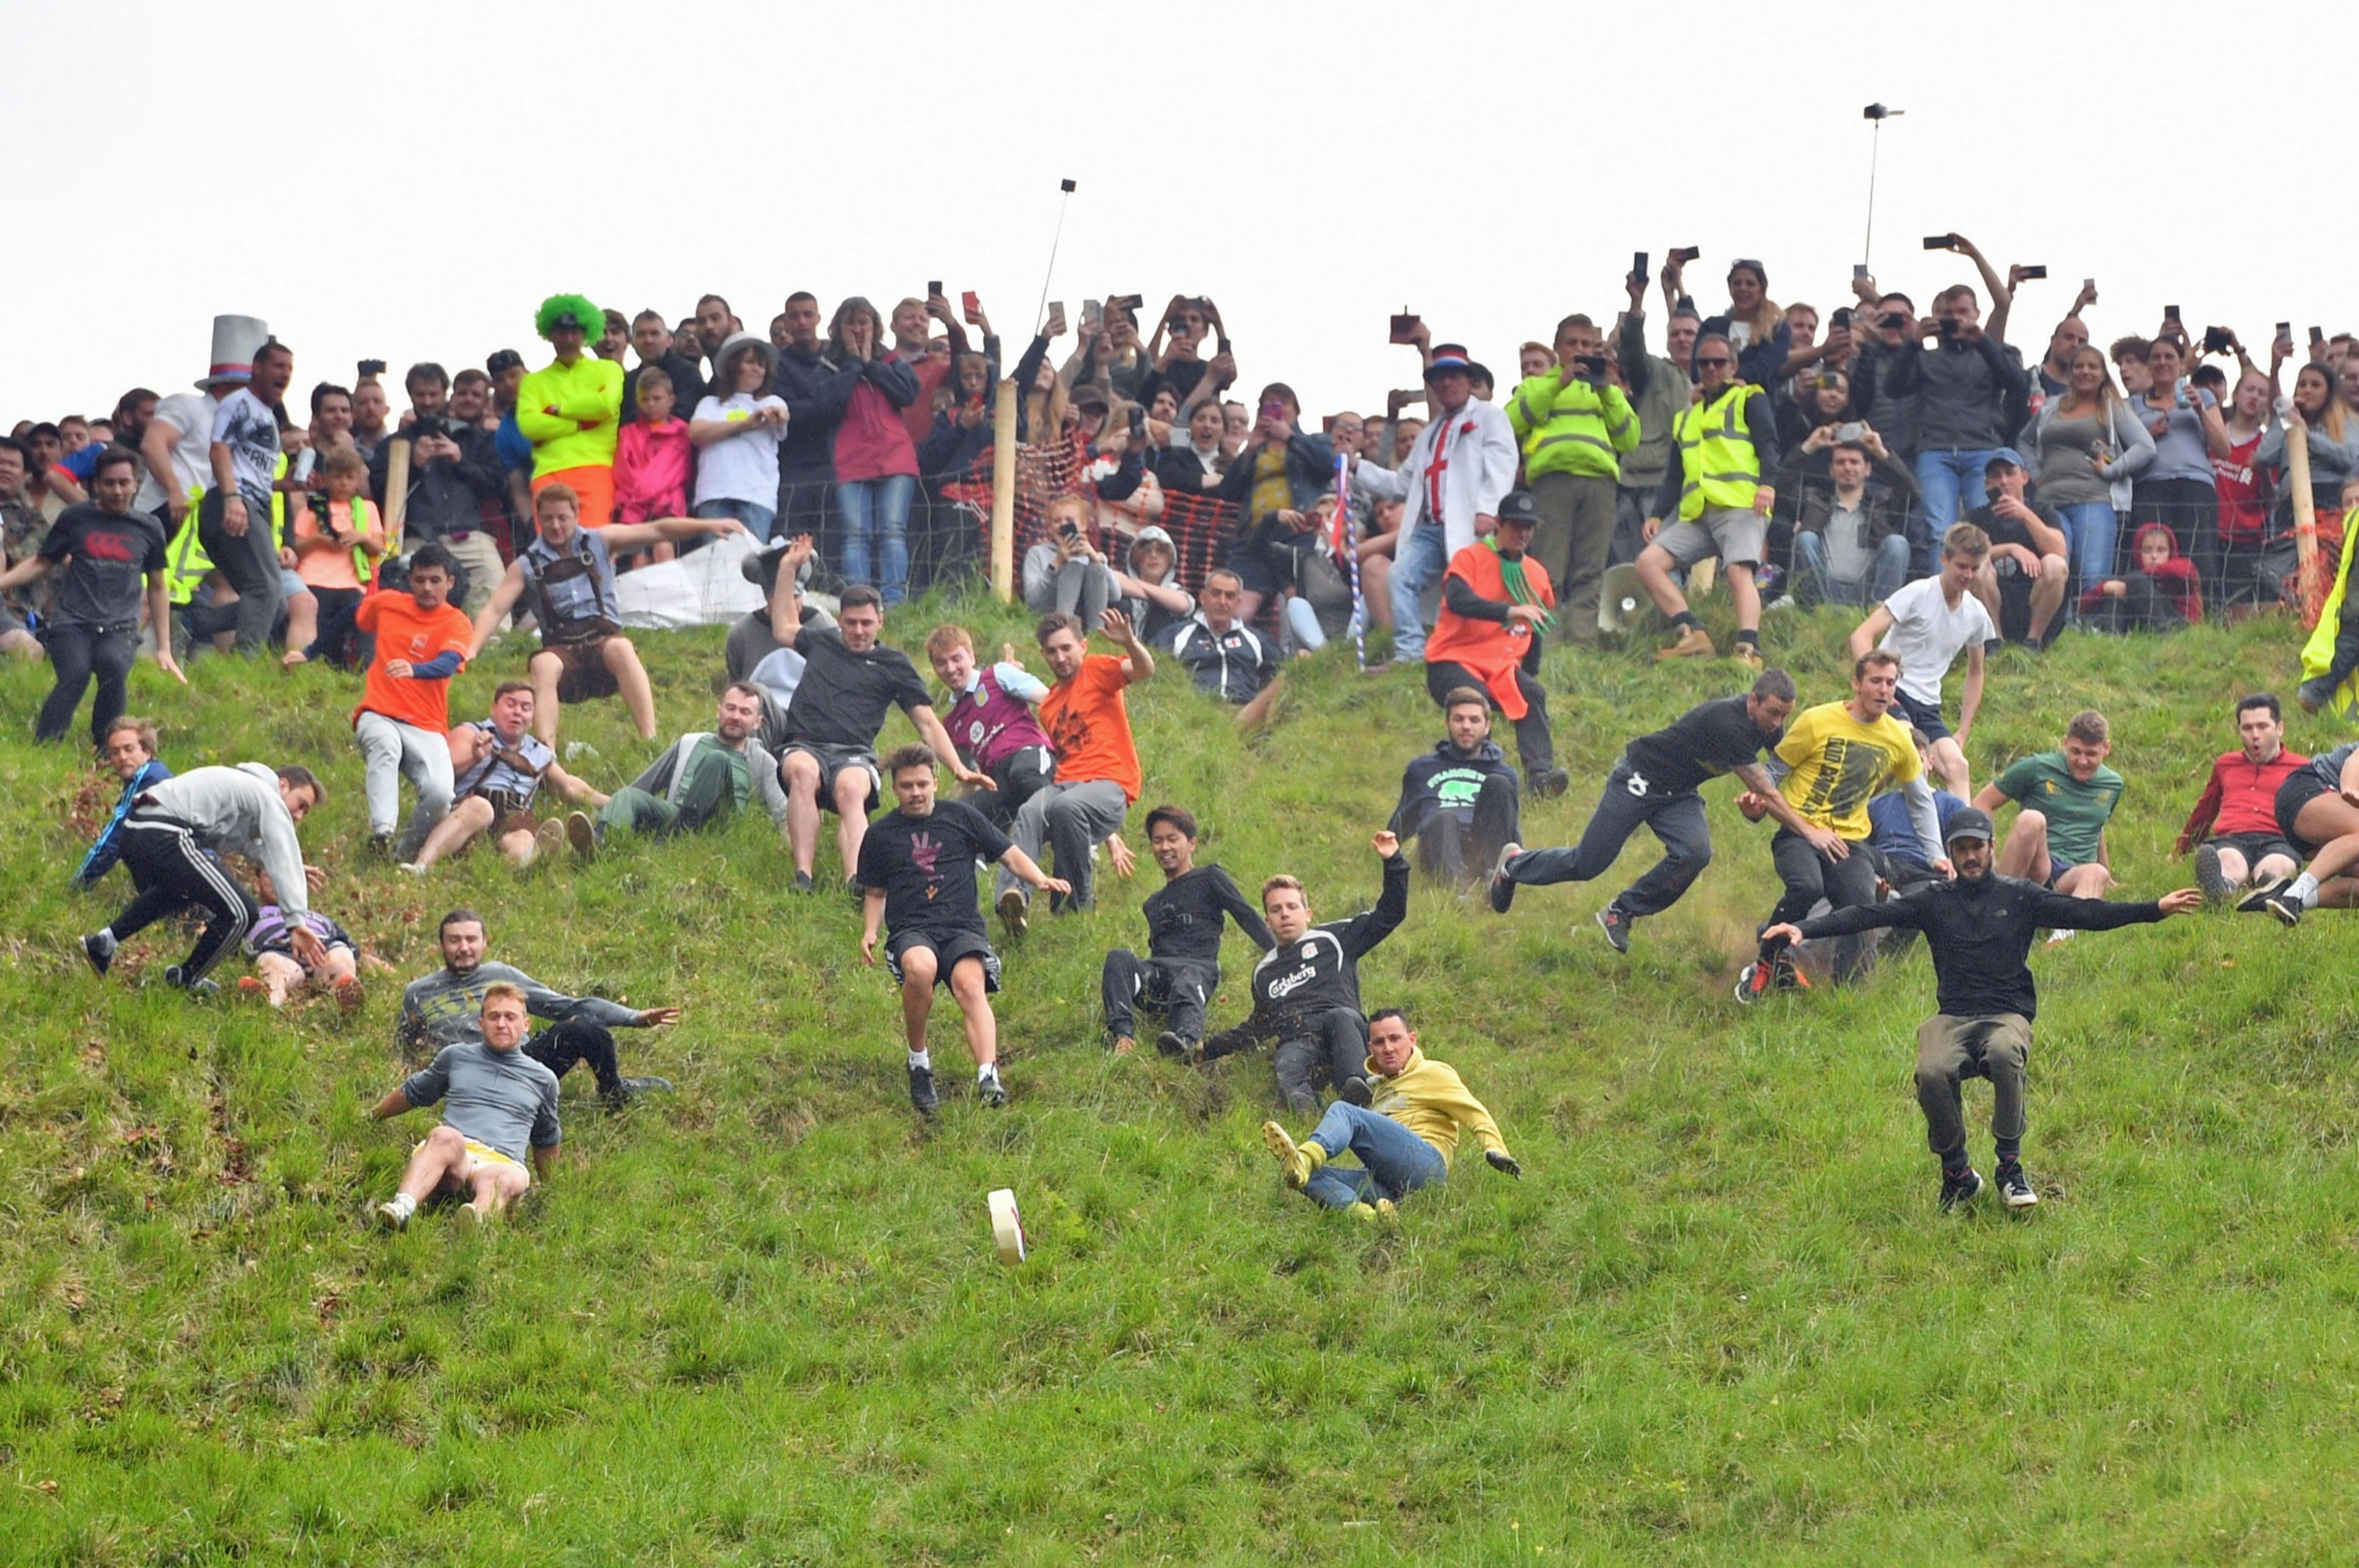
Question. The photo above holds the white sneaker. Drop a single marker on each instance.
(393, 1213)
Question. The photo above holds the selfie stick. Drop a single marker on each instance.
(1349, 533)
(1040, 315)
(1877, 113)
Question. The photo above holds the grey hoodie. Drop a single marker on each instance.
(237, 811)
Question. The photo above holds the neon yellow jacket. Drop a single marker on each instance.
(1571, 427)
(589, 388)
(1431, 1101)
(2318, 653)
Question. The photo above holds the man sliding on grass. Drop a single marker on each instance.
(1404, 1137)
(1183, 967)
(1306, 991)
(498, 1098)
(1979, 926)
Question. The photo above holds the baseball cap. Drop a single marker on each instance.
(1972, 823)
(1518, 506)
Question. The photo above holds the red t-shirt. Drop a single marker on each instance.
(405, 632)
(1089, 724)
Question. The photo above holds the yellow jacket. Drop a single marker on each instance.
(1432, 1100)
(591, 388)
(1570, 427)
(2318, 653)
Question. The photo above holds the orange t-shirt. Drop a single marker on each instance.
(405, 632)
(1089, 725)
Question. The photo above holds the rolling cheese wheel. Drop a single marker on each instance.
(1006, 1228)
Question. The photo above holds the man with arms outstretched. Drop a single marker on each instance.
(1979, 926)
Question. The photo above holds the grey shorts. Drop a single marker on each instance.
(1737, 537)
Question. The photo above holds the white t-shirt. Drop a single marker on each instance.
(740, 468)
(1929, 635)
(191, 414)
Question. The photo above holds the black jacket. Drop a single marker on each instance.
(446, 494)
(1183, 917)
(1980, 934)
(1446, 778)
(686, 386)
(1318, 970)
(1805, 495)
(815, 390)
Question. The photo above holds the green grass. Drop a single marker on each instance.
(1718, 1321)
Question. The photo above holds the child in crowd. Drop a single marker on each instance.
(651, 460)
(2162, 595)
(335, 549)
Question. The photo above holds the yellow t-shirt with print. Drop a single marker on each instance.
(1838, 763)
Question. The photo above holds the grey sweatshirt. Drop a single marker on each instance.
(499, 1099)
(237, 811)
(445, 1008)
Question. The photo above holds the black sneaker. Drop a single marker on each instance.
(1960, 1188)
(2014, 1187)
(99, 948)
(1549, 783)
(2284, 905)
(2256, 902)
(991, 1091)
(921, 1091)
(174, 977)
(628, 1090)
(1615, 924)
(1503, 886)
(380, 847)
(2217, 887)
(803, 883)
(1173, 1043)
(1354, 1091)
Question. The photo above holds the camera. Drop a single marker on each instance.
(1593, 366)
(1896, 319)
(1851, 431)
(1685, 255)
(2217, 340)
(1131, 302)
(1949, 326)
(427, 426)
(1940, 242)
(1069, 530)
(2031, 272)
(372, 367)
(1841, 319)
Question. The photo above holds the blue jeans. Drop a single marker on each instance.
(1951, 481)
(756, 517)
(2088, 530)
(1394, 1161)
(876, 516)
(1813, 585)
(1418, 562)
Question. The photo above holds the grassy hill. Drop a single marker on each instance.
(1719, 1319)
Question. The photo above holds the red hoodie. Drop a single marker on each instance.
(2176, 578)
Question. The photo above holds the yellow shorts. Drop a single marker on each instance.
(482, 1154)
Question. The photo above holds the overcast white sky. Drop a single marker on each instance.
(408, 181)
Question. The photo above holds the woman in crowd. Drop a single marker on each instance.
(2327, 428)
(1152, 598)
(2080, 448)
(1756, 330)
(876, 461)
(2177, 490)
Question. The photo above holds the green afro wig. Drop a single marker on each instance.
(558, 307)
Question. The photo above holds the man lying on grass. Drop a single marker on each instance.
(917, 866)
(1979, 926)
(1404, 1137)
(498, 1098)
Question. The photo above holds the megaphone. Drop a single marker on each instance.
(1622, 602)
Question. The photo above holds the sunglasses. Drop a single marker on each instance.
(1715, 360)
